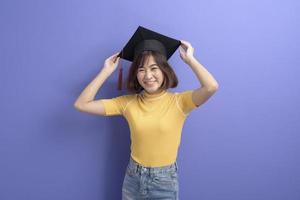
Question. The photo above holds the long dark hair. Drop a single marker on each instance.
(170, 78)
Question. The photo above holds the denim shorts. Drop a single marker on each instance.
(150, 182)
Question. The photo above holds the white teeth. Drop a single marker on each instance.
(150, 83)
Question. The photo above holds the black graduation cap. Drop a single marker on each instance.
(144, 39)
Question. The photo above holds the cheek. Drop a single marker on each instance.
(161, 75)
(139, 77)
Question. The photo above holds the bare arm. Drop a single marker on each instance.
(86, 101)
(208, 84)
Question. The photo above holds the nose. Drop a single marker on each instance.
(148, 75)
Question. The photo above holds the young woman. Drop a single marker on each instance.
(155, 117)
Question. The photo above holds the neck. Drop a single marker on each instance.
(154, 95)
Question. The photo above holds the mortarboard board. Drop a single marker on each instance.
(144, 39)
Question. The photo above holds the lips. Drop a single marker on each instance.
(149, 82)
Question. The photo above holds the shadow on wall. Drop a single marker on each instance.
(106, 138)
(118, 153)
(118, 148)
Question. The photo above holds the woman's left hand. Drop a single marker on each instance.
(186, 51)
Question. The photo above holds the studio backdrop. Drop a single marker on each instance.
(242, 144)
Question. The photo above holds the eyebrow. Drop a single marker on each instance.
(149, 65)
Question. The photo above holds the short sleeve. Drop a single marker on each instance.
(116, 105)
(185, 101)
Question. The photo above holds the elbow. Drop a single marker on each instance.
(213, 88)
(80, 105)
(77, 106)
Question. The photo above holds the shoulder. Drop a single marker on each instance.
(184, 101)
(126, 97)
(121, 100)
(180, 94)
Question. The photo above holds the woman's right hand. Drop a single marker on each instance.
(111, 63)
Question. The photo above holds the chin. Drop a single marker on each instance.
(151, 90)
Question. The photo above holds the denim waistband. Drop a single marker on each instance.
(136, 167)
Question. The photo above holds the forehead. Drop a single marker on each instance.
(148, 61)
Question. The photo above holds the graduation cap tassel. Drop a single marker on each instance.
(120, 78)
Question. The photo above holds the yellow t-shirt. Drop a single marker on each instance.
(155, 122)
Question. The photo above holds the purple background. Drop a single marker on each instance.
(243, 144)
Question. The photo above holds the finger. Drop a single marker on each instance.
(183, 41)
(186, 43)
(116, 59)
(181, 49)
(183, 44)
(182, 52)
(116, 54)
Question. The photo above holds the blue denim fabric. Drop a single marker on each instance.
(150, 182)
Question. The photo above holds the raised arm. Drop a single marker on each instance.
(208, 84)
(86, 101)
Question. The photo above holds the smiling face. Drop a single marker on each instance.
(150, 76)
(151, 72)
